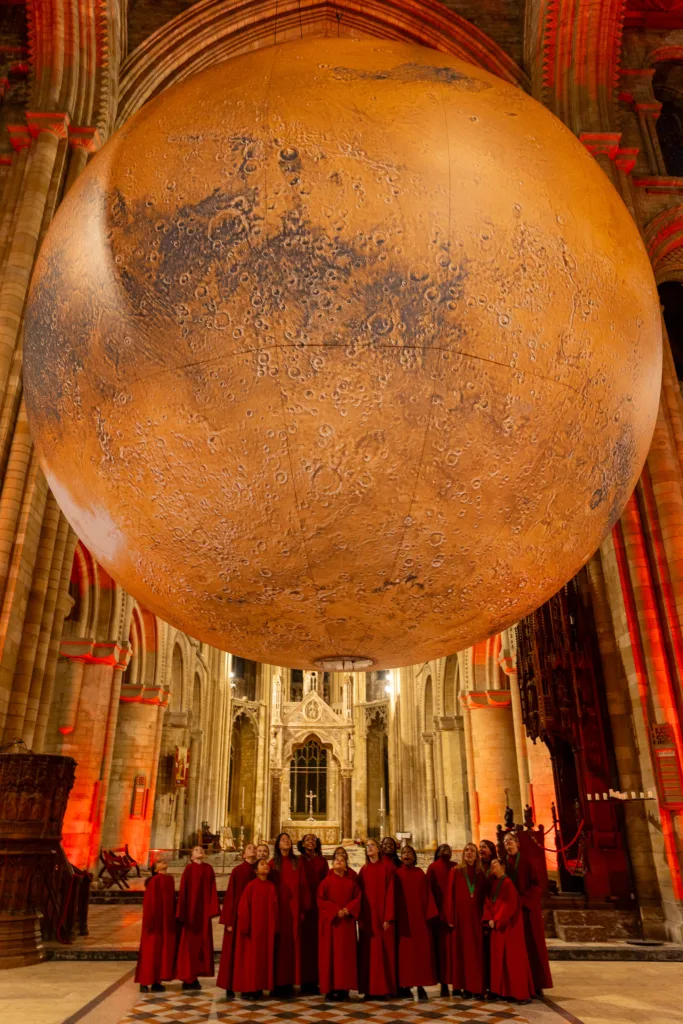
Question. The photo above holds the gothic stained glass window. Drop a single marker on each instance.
(308, 774)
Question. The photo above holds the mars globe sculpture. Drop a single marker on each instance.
(342, 353)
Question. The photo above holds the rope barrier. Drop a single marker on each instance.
(559, 849)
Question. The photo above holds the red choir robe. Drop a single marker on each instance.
(377, 950)
(292, 897)
(464, 909)
(415, 909)
(315, 870)
(258, 921)
(240, 877)
(158, 938)
(510, 972)
(438, 876)
(337, 952)
(524, 874)
(197, 904)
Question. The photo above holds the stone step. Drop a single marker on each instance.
(608, 951)
(595, 925)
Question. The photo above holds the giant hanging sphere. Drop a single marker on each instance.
(343, 349)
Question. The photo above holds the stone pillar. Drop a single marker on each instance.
(603, 147)
(83, 141)
(47, 657)
(508, 663)
(191, 823)
(495, 758)
(471, 776)
(648, 114)
(48, 130)
(347, 805)
(135, 754)
(275, 802)
(440, 788)
(430, 824)
(90, 742)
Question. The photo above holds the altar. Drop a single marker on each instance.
(329, 832)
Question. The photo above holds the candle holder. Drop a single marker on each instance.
(241, 839)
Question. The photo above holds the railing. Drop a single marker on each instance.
(63, 899)
(219, 858)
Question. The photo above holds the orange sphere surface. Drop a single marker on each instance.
(340, 350)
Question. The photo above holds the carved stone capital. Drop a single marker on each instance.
(19, 136)
(105, 652)
(54, 123)
(601, 143)
(85, 137)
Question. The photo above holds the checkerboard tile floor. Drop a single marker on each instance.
(210, 1005)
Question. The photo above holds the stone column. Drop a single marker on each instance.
(495, 758)
(191, 823)
(440, 787)
(430, 824)
(133, 755)
(648, 114)
(508, 663)
(603, 147)
(48, 130)
(91, 742)
(471, 777)
(275, 802)
(47, 657)
(347, 805)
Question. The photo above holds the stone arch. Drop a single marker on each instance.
(177, 678)
(83, 590)
(671, 54)
(135, 671)
(295, 739)
(197, 717)
(664, 241)
(216, 30)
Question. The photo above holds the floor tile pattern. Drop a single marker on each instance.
(210, 1005)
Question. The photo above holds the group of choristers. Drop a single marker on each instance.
(476, 926)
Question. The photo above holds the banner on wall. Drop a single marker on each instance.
(181, 766)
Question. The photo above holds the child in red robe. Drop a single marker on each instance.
(158, 938)
(438, 876)
(315, 869)
(341, 851)
(464, 909)
(262, 852)
(258, 921)
(197, 904)
(289, 879)
(524, 874)
(510, 972)
(339, 901)
(377, 964)
(240, 877)
(415, 909)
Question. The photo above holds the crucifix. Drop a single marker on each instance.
(310, 797)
